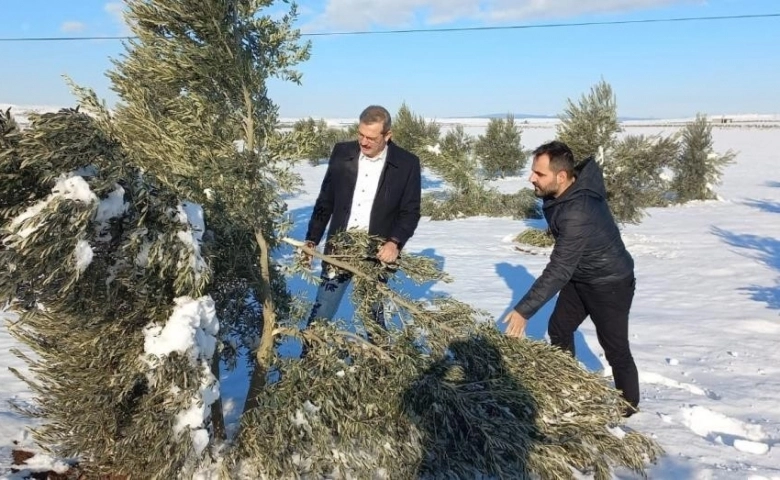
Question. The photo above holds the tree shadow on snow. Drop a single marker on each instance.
(762, 249)
(520, 280)
(666, 467)
(764, 205)
(773, 183)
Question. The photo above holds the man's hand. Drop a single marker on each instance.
(388, 253)
(516, 323)
(306, 258)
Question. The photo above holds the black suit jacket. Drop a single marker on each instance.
(396, 209)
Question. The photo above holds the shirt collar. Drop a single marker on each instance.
(381, 157)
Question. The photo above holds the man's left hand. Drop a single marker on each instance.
(388, 253)
(516, 323)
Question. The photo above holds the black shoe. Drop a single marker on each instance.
(629, 410)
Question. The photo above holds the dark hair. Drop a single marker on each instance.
(376, 114)
(561, 157)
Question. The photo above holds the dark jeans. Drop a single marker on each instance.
(608, 306)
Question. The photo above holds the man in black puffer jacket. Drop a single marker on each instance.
(589, 264)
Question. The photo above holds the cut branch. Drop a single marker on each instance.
(249, 120)
(309, 336)
(413, 308)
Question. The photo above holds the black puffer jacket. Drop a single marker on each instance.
(588, 247)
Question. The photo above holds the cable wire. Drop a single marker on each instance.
(441, 30)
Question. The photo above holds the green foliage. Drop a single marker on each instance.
(14, 186)
(351, 131)
(194, 111)
(413, 132)
(195, 118)
(323, 138)
(98, 258)
(633, 175)
(536, 237)
(591, 125)
(499, 150)
(482, 202)
(454, 162)
(634, 165)
(454, 159)
(698, 168)
(449, 396)
(468, 194)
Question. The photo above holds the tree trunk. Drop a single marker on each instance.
(256, 385)
(266, 348)
(217, 417)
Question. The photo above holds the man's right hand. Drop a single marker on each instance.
(306, 258)
(517, 323)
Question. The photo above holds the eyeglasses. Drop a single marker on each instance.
(372, 139)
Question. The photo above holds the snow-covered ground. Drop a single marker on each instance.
(704, 327)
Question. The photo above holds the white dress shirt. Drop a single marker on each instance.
(369, 171)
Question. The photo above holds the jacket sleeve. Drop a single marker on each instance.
(323, 206)
(409, 210)
(574, 227)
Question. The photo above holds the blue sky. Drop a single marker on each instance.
(656, 70)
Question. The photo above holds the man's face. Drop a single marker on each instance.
(371, 138)
(546, 183)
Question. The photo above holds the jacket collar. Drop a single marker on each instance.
(589, 181)
(354, 153)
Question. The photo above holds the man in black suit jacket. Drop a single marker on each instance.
(372, 184)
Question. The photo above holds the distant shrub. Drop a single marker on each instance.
(452, 158)
(413, 132)
(323, 138)
(482, 202)
(454, 162)
(499, 150)
(590, 125)
(632, 166)
(633, 175)
(697, 168)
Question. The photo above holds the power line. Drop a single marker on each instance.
(548, 25)
(441, 30)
